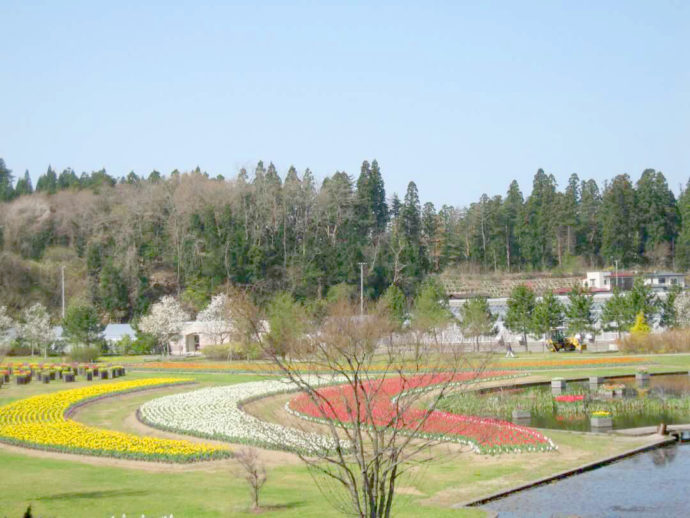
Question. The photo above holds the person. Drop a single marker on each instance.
(509, 349)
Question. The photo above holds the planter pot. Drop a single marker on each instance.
(69, 378)
(557, 386)
(642, 379)
(103, 375)
(521, 416)
(89, 376)
(601, 422)
(52, 375)
(7, 378)
(46, 379)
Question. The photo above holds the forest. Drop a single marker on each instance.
(126, 241)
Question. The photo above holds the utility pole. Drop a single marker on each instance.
(616, 261)
(361, 288)
(62, 271)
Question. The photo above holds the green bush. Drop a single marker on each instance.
(16, 348)
(144, 344)
(232, 351)
(123, 346)
(84, 354)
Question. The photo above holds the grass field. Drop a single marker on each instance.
(69, 486)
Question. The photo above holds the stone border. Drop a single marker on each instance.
(661, 441)
(546, 382)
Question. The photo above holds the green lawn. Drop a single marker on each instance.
(56, 487)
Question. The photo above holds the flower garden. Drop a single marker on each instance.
(41, 422)
(216, 413)
(484, 435)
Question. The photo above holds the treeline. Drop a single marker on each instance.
(127, 241)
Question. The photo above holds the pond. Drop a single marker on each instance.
(649, 484)
(631, 404)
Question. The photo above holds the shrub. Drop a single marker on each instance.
(216, 352)
(17, 348)
(232, 351)
(144, 344)
(641, 327)
(84, 354)
(123, 346)
(673, 341)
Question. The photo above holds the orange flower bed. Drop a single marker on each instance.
(267, 367)
(578, 362)
(211, 366)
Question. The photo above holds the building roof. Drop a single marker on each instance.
(112, 332)
(117, 331)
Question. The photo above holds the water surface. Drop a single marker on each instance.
(650, 484)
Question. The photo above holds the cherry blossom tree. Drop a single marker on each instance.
(164, 321)
(6, 323)
(217, 318)
(36, 329)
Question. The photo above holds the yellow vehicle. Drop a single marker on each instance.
(561, 343)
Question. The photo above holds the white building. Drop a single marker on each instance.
(597, 281)
(606, 281)
(664, 280)
(196, 334)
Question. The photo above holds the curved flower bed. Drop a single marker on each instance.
(483, 434)
(216, 413)
(41, 422)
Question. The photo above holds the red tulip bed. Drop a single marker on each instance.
(484, 435)
(570, 398)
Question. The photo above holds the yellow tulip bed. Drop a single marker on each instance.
(41, 422)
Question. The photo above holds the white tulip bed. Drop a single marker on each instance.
(216, 413)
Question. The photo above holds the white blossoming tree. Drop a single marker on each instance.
(6, 323)
(164, 321)
(217, 316)
(36, 329)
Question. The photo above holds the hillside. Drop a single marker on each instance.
(125, 242)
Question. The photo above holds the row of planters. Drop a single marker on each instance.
(25, 374)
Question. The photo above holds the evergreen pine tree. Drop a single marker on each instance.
(24, 185)
(47, 182)
(6, 182)
(618, 222)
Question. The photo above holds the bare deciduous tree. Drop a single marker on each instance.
(254, 472)
(373, 449)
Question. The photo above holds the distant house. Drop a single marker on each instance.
(603, 281)
(607, 281)
(664, 280)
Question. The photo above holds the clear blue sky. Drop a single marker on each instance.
(462, 97)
